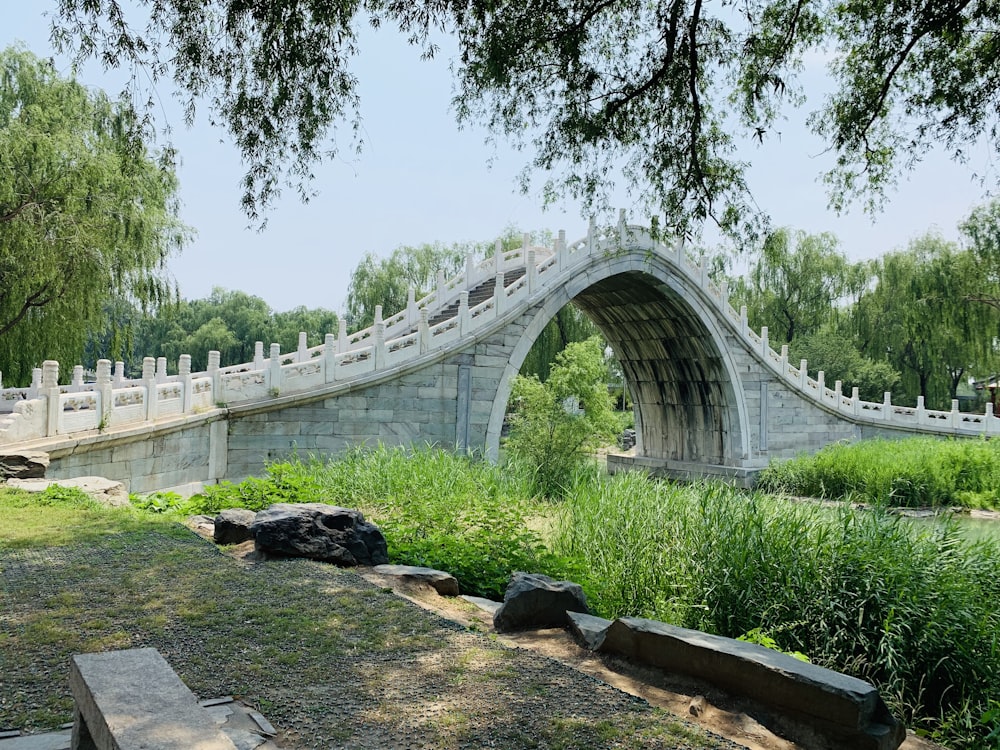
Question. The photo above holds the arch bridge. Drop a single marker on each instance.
(711, 396)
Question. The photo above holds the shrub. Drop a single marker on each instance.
(546, 434)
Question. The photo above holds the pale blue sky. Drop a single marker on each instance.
(421, 179)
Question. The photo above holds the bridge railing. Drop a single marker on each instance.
(46, 409)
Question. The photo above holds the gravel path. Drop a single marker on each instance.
(331, 660)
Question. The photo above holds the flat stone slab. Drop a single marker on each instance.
(487, 605)
(48, 741)
(133, 699)
(843, 703)
(107, 491)
(444, 583)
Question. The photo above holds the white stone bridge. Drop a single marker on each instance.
(711, 396)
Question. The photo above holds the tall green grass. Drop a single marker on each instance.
(915, 472)
(915, 610)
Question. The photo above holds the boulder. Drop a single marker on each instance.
(444, 583)
(232, 526)
(318, 531)
(16, 464)
(107, 491)
(533, 600)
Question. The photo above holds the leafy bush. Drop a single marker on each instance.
(546, 433)
(914, 472)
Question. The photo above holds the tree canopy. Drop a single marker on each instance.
(653, 95)
(87, 213)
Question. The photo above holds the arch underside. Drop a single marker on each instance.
(682, 393)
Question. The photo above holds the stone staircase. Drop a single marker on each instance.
(477, 295)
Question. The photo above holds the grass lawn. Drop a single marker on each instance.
(329, 659)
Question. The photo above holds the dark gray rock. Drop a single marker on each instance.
(533, 600)
(232, 526)
(318, 531)
(588, 630)
(844, 711)
(23, 464)
(444, 583)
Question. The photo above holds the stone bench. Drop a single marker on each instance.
(127, 700)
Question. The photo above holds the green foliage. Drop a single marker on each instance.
(662, 121)
(758, 636)
(546, 432)
(837, 356)
(919, 317)
(230, 322)
(87, 214)
(386, 281)
(569, 325)
(796, 284)
(915, 472)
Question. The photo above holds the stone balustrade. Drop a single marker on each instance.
(45, 409)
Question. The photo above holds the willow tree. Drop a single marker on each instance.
(919, 317)
(87, 213)
(603, 94)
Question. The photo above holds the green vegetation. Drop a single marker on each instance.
(916, 472)
(915, 610)
(556, 424)
(87, 214)
(664, 122)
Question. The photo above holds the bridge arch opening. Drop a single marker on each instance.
(682, 381)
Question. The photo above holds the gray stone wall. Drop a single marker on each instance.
(187, 455)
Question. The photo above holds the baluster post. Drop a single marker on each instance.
(119, 376)
(424, 329)
(856, 400)
(622, 228)
(887, 406)
(498, 264)
(274, 370)
(184, 376)
(764, 341)
(149, 380)
(532, 271)
(379, 339)
(803, 373)
(499, 295)
(341, 336)
(258, 355)
(105, 399)
(35, 390)
(161, 369)
(440, 301)
(464, 321)
(329, 357)
(214, 359)
(301, 355)
(78, 376)
(470, 270)
(411, 306)
(50, 389)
